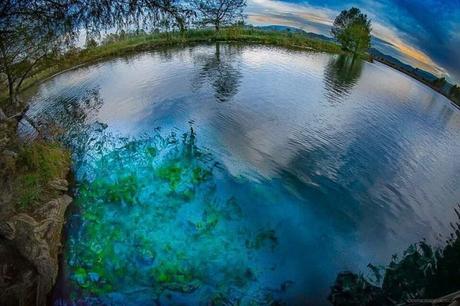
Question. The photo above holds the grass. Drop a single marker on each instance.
(37, 165)
(131, 43)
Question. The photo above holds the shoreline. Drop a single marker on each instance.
(46, 201)
(428, 84)
(149, 42)
(123, 48)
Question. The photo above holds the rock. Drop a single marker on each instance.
(7, 230)
(59, 184)
(37, 239)
(3, 117)
(11, 154)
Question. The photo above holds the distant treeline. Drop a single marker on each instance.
(440, 85)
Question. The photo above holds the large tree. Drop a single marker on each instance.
(219, 12)
(32, 30)
(352, 29)
(29, 31)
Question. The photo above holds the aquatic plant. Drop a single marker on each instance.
(422, 272)
(263, 238)
(149, 217)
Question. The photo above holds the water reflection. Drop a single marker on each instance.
(220, 70)
(68, 113)
(332, 183)
(341, 75)
(153, 223)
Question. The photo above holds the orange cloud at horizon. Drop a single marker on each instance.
(326, 16)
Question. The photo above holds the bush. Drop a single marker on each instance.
(37, 165)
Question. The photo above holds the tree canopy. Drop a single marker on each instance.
(32, 30)
(352, 29)
(219, 12)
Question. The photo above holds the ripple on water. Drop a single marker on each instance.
(319, 164)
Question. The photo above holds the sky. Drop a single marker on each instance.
(422, 33)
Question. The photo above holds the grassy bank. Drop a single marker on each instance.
(30, 172)
(39, 167)
(129, 43)
(33, 201)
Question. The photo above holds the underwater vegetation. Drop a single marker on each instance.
(150, 226)
(422, 272)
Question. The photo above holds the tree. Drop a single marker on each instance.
(454, 93)
(167, 12)
(352, 29)
(26, 37)
(439, 82)
(219, 12)
(33, 30)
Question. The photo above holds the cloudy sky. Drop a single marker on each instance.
(423, 33)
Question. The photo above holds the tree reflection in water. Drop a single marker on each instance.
(220, 70)
(67, 114)
(340, 76)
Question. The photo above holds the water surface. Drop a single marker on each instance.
(225, 173)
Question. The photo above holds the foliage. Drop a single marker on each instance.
(354, 290)
(439, 83)
(422, 272)
(32, 30)
(90, 43)
(454, 94)
(454, 91)
(37, 165)
(219, 12)
(149, 220)
(353, 30)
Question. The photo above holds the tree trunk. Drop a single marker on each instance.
(355, 52)
(217, 25)
(181, 24)
(11, 91)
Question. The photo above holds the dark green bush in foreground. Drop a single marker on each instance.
(422, 272)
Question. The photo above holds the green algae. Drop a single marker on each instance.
(262, 239)
(171, 173)
(148, 210)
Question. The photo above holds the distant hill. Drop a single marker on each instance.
(419, 74)
(281, 28)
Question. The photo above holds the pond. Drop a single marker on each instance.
(228, 173)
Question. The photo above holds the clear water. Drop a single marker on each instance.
(225, 173)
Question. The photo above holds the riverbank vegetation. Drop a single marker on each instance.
(422, 272)
(37, 40)
(123, 43)
(39, 170)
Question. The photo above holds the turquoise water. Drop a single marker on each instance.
(225, 174)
